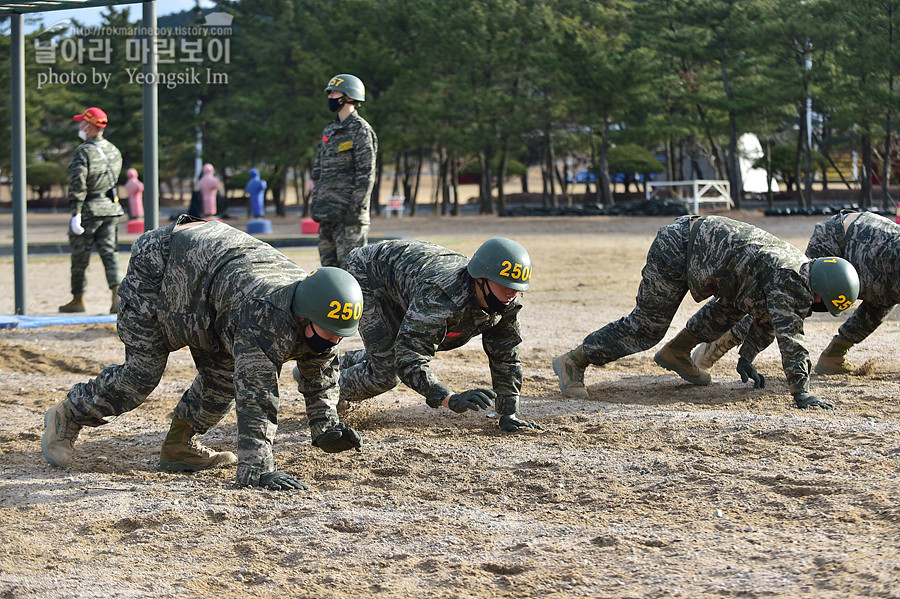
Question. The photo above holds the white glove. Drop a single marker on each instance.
(75, 225)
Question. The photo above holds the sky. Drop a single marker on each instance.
(90, 17)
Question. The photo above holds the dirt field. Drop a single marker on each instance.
(652, 488)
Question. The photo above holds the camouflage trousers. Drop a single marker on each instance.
(372, 371)
(662, 288)
(715, 318)
(336, 240)
(123, 387)
(103, 232)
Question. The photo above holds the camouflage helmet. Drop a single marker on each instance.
(331, 298)
(502, 261)
(835, 281)
(350, 85)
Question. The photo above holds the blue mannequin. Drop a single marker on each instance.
(256, 188)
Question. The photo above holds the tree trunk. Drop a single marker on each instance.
(797, 164)
(603, 182)
(549, 183)
(298, 190)
(443, 181)
(670, 159)
(770, 197)
(545, 179)
(375, 201)
(886, 166)
(865, 188)
(501, 175)
(732, 169)
(418, 178)
(407, 184)
(279, 179)
(562, 178)
(454, 180)
(398, 164)
(825, 148)
(485, 157)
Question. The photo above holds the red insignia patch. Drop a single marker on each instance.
(325, 138)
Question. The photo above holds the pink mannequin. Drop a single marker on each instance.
(209, 185)
(135, 191)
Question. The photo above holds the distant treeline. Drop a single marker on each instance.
(481, 87)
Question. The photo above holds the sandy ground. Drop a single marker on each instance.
(651, 488)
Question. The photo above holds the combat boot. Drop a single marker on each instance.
(707, 354)
(570, 367)
(833, 360)
(114, 307)
(60, 432)
(76, 305)
(182, 453)
(676, 356)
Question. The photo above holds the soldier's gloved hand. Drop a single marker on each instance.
(279, 481)
(748, 372)
(805, 400)
(473, 399)
(509, 423)
(338, 438)
(75, 224)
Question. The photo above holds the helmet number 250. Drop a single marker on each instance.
(347, 311)
(515, 271)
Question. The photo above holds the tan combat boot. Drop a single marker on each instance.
(182, 453)
(60, 432)
(114, 307)
(676, 356)
(76, 305)
(707, 354)
(833, 360)
(570, 367)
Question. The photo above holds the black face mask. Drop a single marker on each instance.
(818, 306)
(317, 343)
(334, 104)
(493, 302)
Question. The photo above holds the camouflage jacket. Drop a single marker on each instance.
(872, 245)
(432, 295)
(91, 176)
(224, 290)
(760, 275)
(344, 172)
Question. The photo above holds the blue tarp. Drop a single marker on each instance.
(33, 322)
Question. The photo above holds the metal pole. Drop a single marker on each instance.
(807, 165)
(19, 185)
(198, 148)
(151, 119)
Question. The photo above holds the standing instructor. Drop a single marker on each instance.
(94, 200)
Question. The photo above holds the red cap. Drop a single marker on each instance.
(94, 116)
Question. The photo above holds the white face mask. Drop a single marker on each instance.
(82, 133)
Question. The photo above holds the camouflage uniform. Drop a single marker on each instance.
(872, 245)
(343, 174)
(419, 299)
(748, 270)
(93, 171)
(227, 296)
